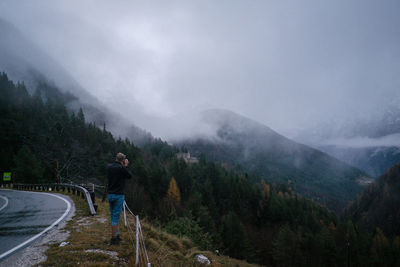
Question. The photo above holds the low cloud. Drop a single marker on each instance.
(392, 140)
(286, 64)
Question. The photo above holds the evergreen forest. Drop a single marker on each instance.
(219, 208)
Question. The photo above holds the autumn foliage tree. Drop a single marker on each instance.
(174, 193)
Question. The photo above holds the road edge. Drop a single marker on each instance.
(35, 252)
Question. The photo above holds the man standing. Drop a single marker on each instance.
(117, 172)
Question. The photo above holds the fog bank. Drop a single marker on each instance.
(288, 65)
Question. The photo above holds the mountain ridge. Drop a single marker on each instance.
(273, 157)
(371, 143)
(24, 61)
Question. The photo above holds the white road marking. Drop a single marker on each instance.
(42, 232)
(6, 200)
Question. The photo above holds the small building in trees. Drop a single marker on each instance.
(187, 157)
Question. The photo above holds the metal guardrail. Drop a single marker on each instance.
(90, 197)
(70, 188)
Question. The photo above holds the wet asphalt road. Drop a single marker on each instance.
(25, 216)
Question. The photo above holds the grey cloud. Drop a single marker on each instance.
(288, 64)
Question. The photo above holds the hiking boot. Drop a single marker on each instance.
(118, 238)
(114, 241)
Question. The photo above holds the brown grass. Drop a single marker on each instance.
(93, 233)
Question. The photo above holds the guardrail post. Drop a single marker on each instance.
(93, 197)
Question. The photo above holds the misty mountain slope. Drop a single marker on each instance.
(271, 156)
(24, 61)
(378, 205)
(373, 160)
(370, 143)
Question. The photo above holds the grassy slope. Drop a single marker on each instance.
(89, 244)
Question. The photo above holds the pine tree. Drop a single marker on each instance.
(285, 248)
(28, 168)
(380, 249)
(327, 247)
(234, 236)
(396, 251)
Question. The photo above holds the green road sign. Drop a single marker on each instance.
(7, 177)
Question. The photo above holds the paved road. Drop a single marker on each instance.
(25, 216)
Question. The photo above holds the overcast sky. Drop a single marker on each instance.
(287, 64)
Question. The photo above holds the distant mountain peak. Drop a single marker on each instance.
(223, 119)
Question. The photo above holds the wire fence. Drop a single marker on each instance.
(142, 257)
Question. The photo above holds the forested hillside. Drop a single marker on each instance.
(24, 60)
(268, 155)
(217, 207)
(378, 206)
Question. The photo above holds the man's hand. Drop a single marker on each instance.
(126, 162)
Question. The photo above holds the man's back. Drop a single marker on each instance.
(116, 174)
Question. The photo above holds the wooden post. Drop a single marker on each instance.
(137, 240)
(124, 214)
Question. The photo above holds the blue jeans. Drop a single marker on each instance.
(116, 203)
